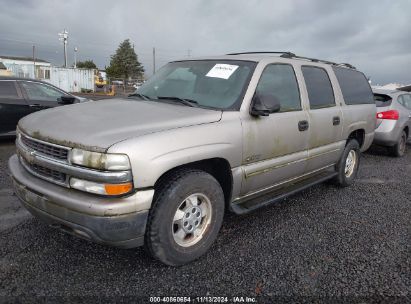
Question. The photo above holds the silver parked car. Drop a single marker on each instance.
(202, 136)
(393, 120)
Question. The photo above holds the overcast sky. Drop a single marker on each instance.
(375, 36)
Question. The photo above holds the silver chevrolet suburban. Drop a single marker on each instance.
(202, 136)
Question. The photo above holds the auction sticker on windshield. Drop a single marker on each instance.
(221, 70)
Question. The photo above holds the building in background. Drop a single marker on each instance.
(24, 67)
(72, 79)
(4, 71)
(67, 79)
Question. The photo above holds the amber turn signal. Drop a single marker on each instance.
(118, 189)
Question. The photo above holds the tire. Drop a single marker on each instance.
(346, 177)
(164, 238)
(400, 148)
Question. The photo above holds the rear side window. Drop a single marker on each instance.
(382, 100)
(279, 81)
(8, 89)
(354, 86)
(405, 100)
(319, 88)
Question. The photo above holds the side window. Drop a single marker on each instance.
(354, 86)
(405, 100)
(400, 100)
(39, 91)
(279, 81)
(8, 89)
(319, 88)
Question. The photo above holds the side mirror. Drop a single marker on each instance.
(65, 100)
(264, 105)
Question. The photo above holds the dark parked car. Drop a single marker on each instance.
(20, 97)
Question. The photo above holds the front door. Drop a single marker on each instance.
(40, 95)
(275, 147)
(12, 105)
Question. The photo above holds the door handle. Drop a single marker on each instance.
(35, 105)
(303, 125)
(336, 120)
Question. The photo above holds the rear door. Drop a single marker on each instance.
(325, 119)
(40, 95)
(12, 106)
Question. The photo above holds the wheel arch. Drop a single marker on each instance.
(407, 131)
(217, 167)
(358, 135)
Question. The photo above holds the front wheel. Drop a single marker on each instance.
(185, 218)
(348, 165)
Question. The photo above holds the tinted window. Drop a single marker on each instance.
(382, 100)
(8, 89)
(279, 81)
(39, 91)
(320, 91)
(354, 86)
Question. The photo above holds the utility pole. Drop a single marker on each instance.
(154, 60)
(188, 53)
(75, 57)
(64, 37)
(34, 61)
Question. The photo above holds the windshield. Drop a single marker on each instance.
(218, 84)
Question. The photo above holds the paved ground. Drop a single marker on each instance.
(324, 243)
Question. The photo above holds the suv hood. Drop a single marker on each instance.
(98, 125)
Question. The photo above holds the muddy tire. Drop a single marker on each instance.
(185, 217)
(347, 167)
(400, 148)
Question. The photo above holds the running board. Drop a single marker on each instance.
(243, 206)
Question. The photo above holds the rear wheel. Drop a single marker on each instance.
(185, 217)
(348, 165)
(400, 148)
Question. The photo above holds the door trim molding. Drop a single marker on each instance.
(269, 188)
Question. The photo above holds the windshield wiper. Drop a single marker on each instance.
(185, 101)
(142, 96)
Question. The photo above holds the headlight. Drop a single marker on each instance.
(101, 161)
(99, 188)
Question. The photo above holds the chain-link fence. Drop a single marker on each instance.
(118, 86)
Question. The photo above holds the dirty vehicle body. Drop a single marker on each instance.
(393, 120)
(202, 136)
(21, 96)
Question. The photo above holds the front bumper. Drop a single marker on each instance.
(117, 222)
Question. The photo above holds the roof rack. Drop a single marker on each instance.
(284, 54)
(326, 62)
(292, 55)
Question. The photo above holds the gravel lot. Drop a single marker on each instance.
(324, 243)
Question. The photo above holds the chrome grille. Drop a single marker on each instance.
(48, 173)
(43, 172)
(44, 148)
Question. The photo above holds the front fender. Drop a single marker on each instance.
(154, 154)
